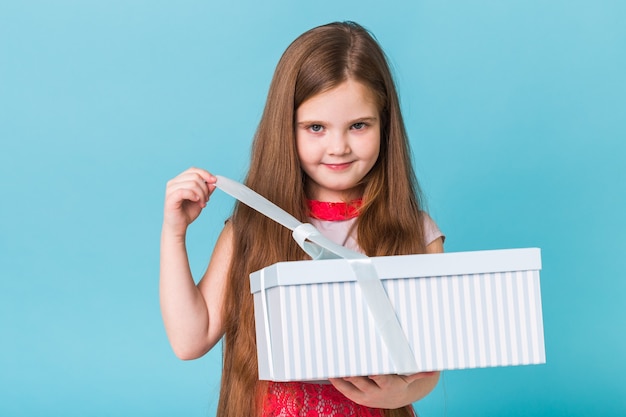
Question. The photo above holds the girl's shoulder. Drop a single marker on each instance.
(431, 230)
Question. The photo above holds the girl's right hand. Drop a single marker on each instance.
(185, 197)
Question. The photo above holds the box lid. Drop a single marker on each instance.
(401, 266)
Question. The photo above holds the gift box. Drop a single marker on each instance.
(457, 310)
(355, 315)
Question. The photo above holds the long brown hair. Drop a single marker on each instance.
(390, 222)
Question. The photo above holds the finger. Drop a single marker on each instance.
(191, 182)
(378, 379)
(419, 375)
(346, 387)
(204, 178)
(384, 381)
(196, 174)
(362, 383)
(179, 196)
(205, 175)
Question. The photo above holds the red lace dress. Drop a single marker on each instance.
(301, 399)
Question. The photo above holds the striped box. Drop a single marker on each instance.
(457, 310)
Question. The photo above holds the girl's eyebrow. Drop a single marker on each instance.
(369, 119)
(307, 122)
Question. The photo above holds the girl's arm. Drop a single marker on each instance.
(390, 391)
(191, 314)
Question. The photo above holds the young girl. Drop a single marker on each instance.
(331, 149)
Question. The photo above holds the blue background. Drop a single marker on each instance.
(516, 112)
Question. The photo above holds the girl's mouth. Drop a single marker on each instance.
(338, 167)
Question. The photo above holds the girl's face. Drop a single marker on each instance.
(338, 140)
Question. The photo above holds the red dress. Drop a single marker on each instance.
(301, 399)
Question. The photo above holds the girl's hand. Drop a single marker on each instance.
(185, 197)
(387, 391)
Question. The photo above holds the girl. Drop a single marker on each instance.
(331, 149)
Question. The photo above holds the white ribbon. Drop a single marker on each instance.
(317, 247)
(266, 320)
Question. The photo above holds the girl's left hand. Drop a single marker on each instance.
(386, 391)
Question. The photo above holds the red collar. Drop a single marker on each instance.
(323, 210)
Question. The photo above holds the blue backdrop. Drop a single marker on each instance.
(516, 112)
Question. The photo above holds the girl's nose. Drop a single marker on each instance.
(338, 144)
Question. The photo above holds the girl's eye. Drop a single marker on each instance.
(316, 128)
(359, 126)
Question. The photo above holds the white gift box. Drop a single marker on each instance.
(357, 315)
(457, 310)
